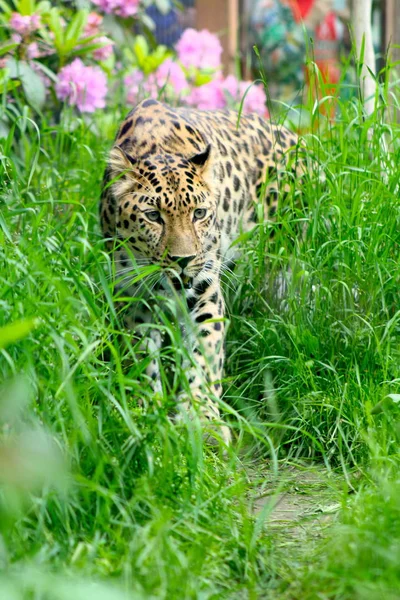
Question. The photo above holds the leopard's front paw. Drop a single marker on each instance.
(214, 430)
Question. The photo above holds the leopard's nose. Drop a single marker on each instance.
(183, 261)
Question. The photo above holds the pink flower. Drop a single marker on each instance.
(207, 96)
(107, 6)
(105, 51)
(25, 24)
(32, 50)
(16, 38)
(133, 83)
(139, 87)
(256, 98)
(254, 95)
(200, 49)
(93, 24)
(81, 86)
(170, 73)
(122, 8)
(169, 77)
(127, 8)
(231, 85)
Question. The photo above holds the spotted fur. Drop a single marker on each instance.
(180, 186)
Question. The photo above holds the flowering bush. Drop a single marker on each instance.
(67, 57)
(81, 86)
(193, 76)
(199, 49)
(24, 25)
(122, 8)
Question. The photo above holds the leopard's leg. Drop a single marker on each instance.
(204, 373)
(150, 344)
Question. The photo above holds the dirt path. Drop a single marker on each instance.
(299, 502)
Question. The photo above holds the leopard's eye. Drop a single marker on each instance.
(154, 215)
(199, 213)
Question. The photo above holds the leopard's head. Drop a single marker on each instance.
(166, 210)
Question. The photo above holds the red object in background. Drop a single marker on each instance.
(304, 7)
(300, 8)
(326, 48)
(327, 29)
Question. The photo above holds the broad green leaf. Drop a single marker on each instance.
(147, 22)
(7, 84)
(202, 78)
(9, 334)
(378, 408)
(26, 7)
(7, 47)
(34, 89)
(48, 72)
(394, 397)
(43, 7)
(164, 6)
(141, 49)
(114, 29)
(5, 7)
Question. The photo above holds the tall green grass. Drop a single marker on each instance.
(312, 374)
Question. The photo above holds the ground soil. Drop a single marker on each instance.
(299, 502)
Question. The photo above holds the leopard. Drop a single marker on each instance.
(180, 185)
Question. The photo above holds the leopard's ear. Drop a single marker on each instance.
(120, 160)
(202, 159)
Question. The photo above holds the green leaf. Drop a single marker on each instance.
(147, 22)
(26, 7)
(7, 47)
(164, 6)
(4, 129)
(33, 86)
(5, 7)
(56, 28)
(141, 49)
(17, 331)
(394, 397)
(202, 78)
(7, 84)
(244, 237)
(43, 7)
(75, 28)
(114, 30)
(389, 399)
(48, 72)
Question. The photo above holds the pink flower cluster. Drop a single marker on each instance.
(169, 77)
(253, 95)
(25, 24)
(122, 8)
(199, 49)
(92, 28)
(229, 92)
(93, 24)
(82, 86)
(218, 93)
